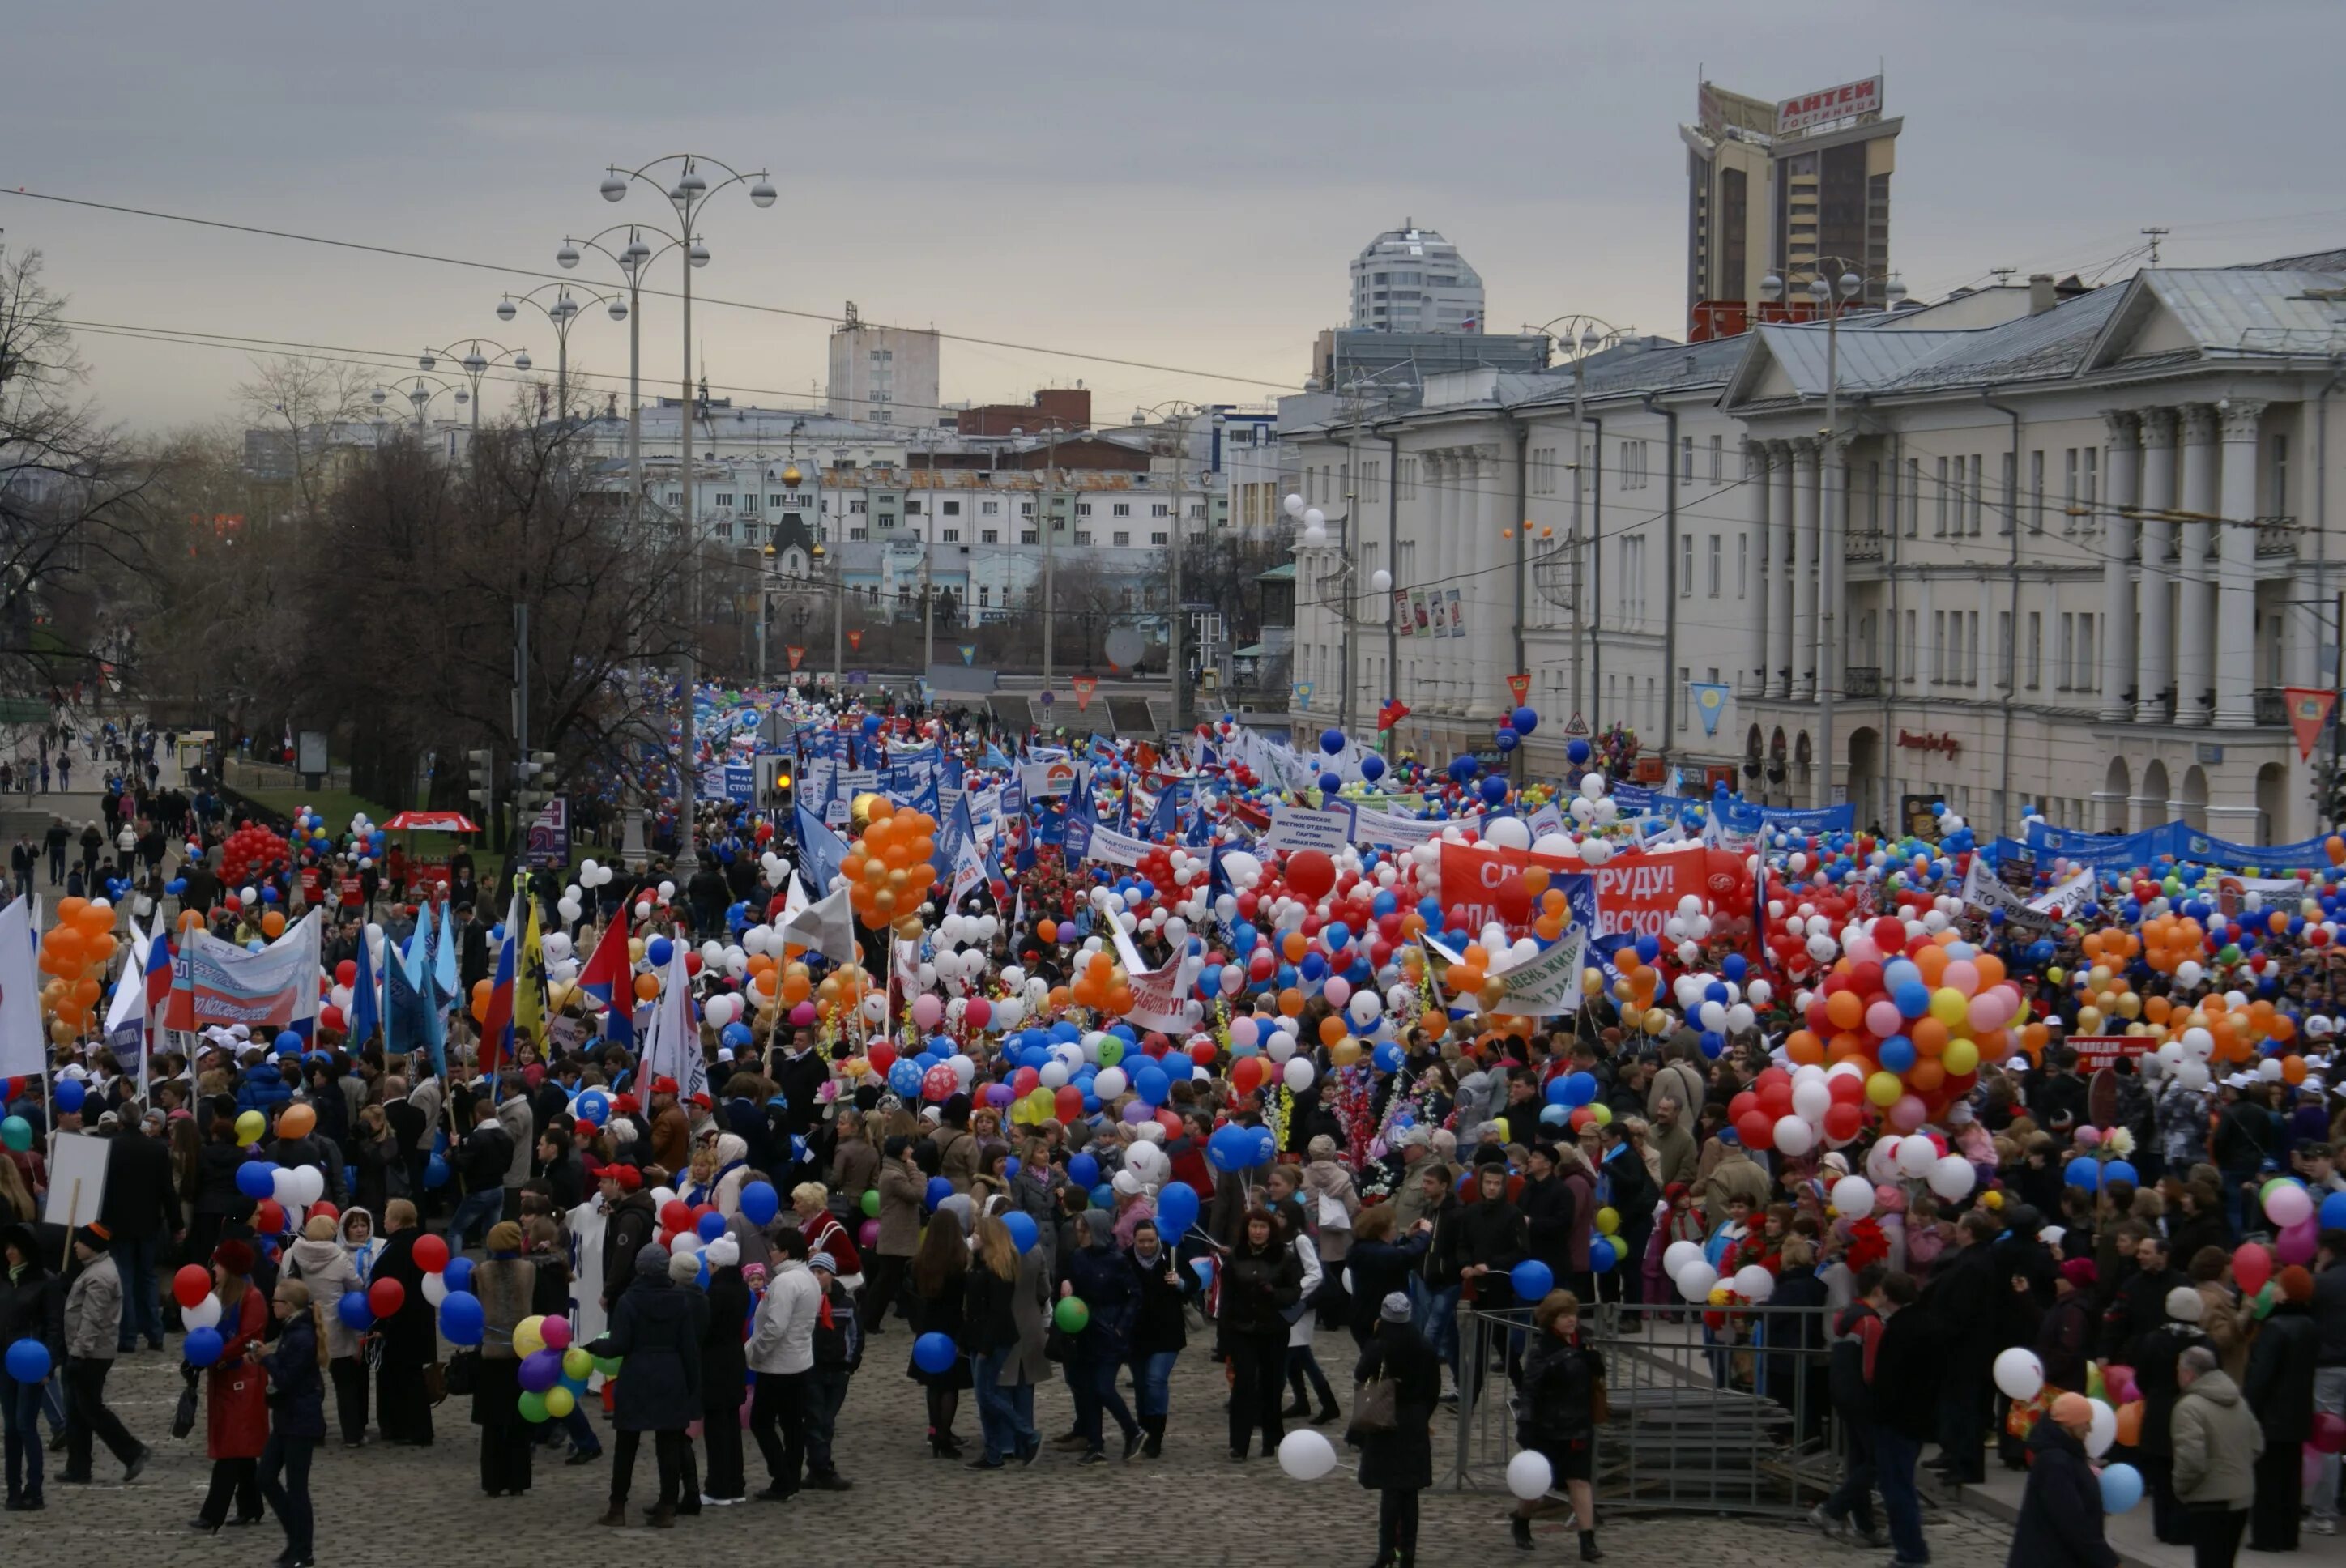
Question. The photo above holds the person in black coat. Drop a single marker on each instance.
(1380, 1265)
(2283, 1362)
(1908, 1362)
(142, 1213)
(297, 1418)
(657, 1330)
(1967, 1295)
(1563, 1381)
(2060, 1524)
(1795, 1367)
(1398, 1464)
(564, 1173)
(2153, 1357)
(1261, 1278)
(217, 1201)
(409, 1337)
(1548, 1212)
(1102, 1279)
(31, 1306)
(1160, 1329)
(724, 1373)
(1489, 1239)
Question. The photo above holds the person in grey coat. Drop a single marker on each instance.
(656, 1333)
(93, 1312)
(2217, 1442)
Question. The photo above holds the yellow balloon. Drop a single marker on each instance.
(560, 1401)
(1960, 1057)
(1609, 1220)
(577, 1363)
(1883, 1089)
(526, 1339)
(1950, 1006)
(249, 1128)
(1600, 1112)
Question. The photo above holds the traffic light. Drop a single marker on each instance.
(481, 767)
(531, 790)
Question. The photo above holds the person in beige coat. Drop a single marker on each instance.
(2217, 1444)
(93, 1314)
(319, 1261)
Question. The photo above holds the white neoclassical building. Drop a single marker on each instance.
(2059, 549)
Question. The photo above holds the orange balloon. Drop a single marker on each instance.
(1846, 1009)
(1047, 930)
(1933, 962)
(296, 1121)
(480, 1001)
(647, 987)
(1331, 1029)
(1290, 1002)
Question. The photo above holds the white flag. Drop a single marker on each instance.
(23, 1048)
(827, 927)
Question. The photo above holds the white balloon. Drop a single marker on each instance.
(1951, 1178)
(1812, 1099)
(1916, 1156)
(1297, 1073)
(1109, 1083)
(206, 1313)
(1509, 833)
(2103, 1432)
(435, 1289)
(1794, 1136)
(2019, 1373)
(1754, 1284)
(1852, 1197)
(1695, 1281)
(1306, 1455)
(1529, 1475)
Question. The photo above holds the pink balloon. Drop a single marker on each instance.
(1908, 1112)
(2087, 1137)
(1964, 975)
(556, 1333)
(1884, 1019)
(1985, 1013)
(927, 1010)
(2298, 1243)
(802, 1016)
(867, 1234)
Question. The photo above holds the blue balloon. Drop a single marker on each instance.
(69, 1095)
(1331, 741)
(28, 1361)
(761, 1202)
(1507, 741)
(711, 1226)
(1083, 1170)
(1330, 784)
(1576, 749)
(289, 1041)
(659, 949)
(435, 1171)
(355, 1312)
(2120, 1170)
(1523, 721)
(2083, 1171)
(939, 1190)
(1494, 790)
(905, 1078)
(458, 1276)
(2121, 1488)
(257, 1180)
(463, 1319)
(1602, 1254)
(1177, 1211)
(1152, 1086)
(1532, 1279)
(934, 1353)
(2333, 1212)
(1373, 766)
(203, 1346)
(1579, 1088)
(594, 1106)
(1103, 1196)
(1023, 1233)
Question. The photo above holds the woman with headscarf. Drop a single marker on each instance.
(1134, 1201)
(236, 1400)
(724, 1375)
(319, 1261)
(1397, 1464)
(1101, 1277)
(409, 1337)
(506, 1287)
(938, 1296)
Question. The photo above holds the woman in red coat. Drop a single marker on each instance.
(236, 1393)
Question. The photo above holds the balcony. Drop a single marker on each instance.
(2272, 708)
(2275, 543)
(1860, 680)
(1865, 545)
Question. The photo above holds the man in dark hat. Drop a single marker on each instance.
(93, 1314)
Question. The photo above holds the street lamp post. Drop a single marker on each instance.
(1832, 295)
(562, 312)
(1582, 336)
(475, 364)
(419, 390)
(687, 195)
(631, 259)
(1180, 412)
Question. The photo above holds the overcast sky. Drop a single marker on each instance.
(1182, 185)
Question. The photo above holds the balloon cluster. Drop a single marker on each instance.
(592, 874)
(888, 868)
(1911, 1010)
(74, 955)
(251, 852)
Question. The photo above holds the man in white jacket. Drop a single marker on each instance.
(781, 1352)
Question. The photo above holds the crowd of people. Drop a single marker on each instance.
(2107, 1269)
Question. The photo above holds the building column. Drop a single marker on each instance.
(2235, 579)
(1754, 677)
(1441, 509)
(2195, 652)
(2117, 587)
(1490, 595)
(2154, 647)
(1807, 456)
(1780, 562)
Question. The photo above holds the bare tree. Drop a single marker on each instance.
(74, 498)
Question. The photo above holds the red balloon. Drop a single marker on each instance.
(1757, 1130)
(1310, 872)
(346, 972)
(268, 1217)
(1068, 1103)
(882, 1056)
(676, 1214)
(191, 1284)
(322, 1209)
(1246, 1074)
(431, 1253)
(979, 1013)
(1842, 1120)
(1202, 1053)
(385, 1297)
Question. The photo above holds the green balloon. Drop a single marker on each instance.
(606, 1365)
(17, 1134)
(1072, 1315)
(533, 1405)
(576, 1364)
(871, 1204)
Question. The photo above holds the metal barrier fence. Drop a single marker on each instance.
(1718, 1411)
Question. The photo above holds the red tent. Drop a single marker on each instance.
(433, 822)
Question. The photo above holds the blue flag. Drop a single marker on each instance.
(821, 851)
(411, 1014)
(444, 956)
(366, 1000)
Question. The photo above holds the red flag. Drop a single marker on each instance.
(1394, 711)
(1519, 686)
(2308, 714)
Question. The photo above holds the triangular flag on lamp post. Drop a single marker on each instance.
(2308, 714)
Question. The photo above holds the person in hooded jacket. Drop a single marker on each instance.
(1380, 1262)
(838, 1342)
(630, 1221)
(31, 1306)
(1101, 1277)
(1398, 1464)
(2283, 1362)
(507, 1287)
(2060, 1522)
(1562, 1384)
(2155, 1357)
(724, 1375)
(297, 1418)
(657, 1330)
(319, 1261)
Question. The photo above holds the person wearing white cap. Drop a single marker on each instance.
(2154, 1356)
(1397, 1461)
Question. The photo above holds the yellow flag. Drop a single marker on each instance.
(529, 983)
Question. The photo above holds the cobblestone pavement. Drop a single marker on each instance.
(383, 1506)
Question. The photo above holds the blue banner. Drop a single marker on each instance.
(821, 852)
